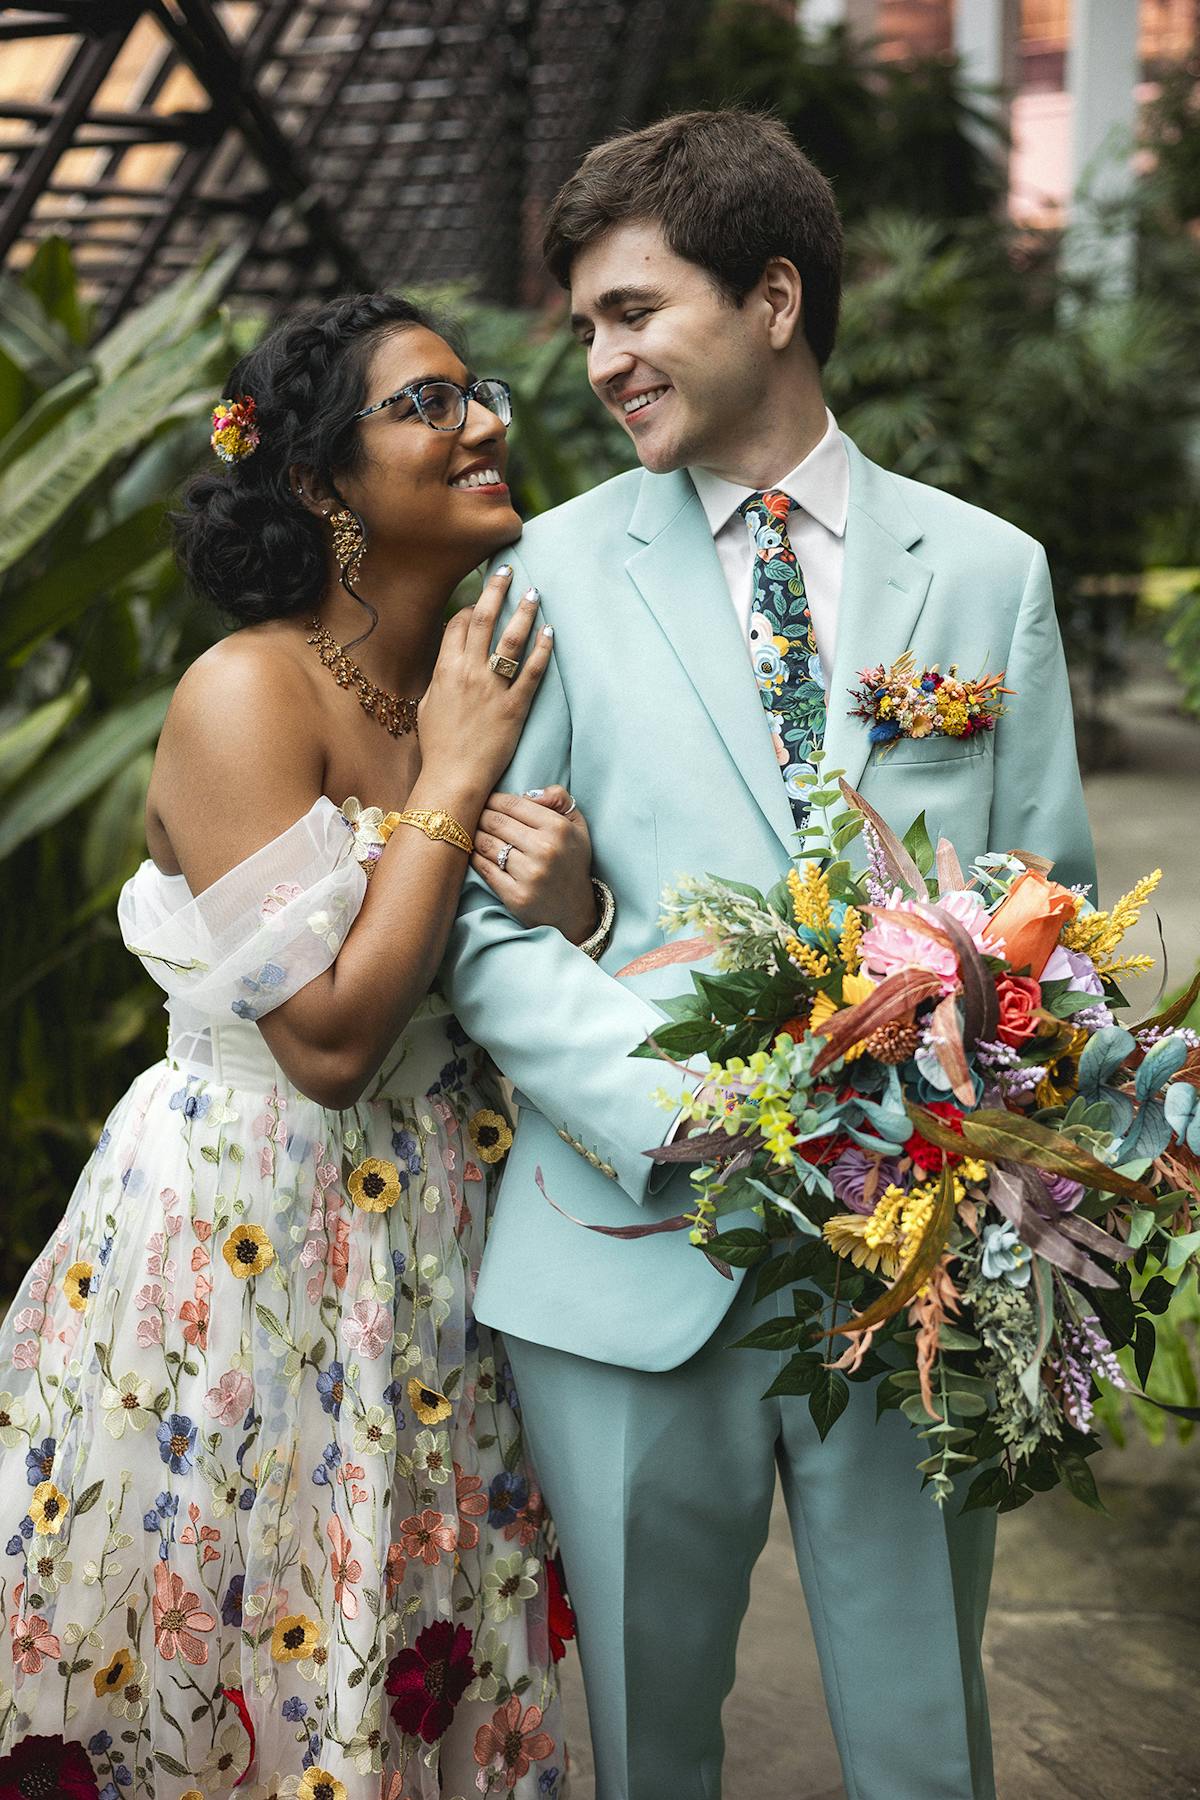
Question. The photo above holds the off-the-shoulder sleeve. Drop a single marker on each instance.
(260, 933)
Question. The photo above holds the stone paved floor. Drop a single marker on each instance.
(1093, 1642)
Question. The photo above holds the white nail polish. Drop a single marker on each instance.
(531, 596)
(534, 793)
(548, 631)
(504, 571)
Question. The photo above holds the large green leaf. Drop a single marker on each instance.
(68, 587)
(42, 485)
(166, 318)
(46, 411)
(25, 743)
(75, 772)
(37, 343)
(50, 278)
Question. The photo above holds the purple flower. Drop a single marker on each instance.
(506, 1497)
(295, 1709)
(176, 1441)
(848, 1177)
(1076, 969)
(1065, 1193)
(231, 1605)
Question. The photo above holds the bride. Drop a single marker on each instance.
(270, 1516)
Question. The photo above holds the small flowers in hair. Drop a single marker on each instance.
(235, 435)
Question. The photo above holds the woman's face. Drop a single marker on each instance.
(437, 498)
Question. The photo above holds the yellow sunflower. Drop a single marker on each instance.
(319, 1784)
(78, 1285)
(429, 1406)
(294, 1638)
(825, 1007)
(113, 1676)
(248, 1251)
(48, 1509)
(490, 1135)
(375, 1185)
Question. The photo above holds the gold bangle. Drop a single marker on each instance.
(606, 912)
(439, 826)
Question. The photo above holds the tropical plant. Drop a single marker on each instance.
(94, 628)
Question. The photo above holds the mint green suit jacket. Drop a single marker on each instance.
(651, 716)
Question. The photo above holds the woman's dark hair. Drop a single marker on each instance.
(243, 539)
(729, 190)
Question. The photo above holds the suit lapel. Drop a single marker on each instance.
(679, 577)
(883, 590)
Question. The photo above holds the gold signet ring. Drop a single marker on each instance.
(503, 665)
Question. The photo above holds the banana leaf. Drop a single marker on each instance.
(166, 318)
(43, 484)
(26, 742)
(69, 587)
(74, 773)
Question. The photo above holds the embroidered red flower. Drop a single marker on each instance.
(927, 1156)
(1019, 997)
(50, 1766)
(429, 1679)
(560, 1614)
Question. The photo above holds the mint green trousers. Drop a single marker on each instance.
(661, 1487)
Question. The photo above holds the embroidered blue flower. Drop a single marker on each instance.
(39, 1461)
(329, 1387)
(506, 1497)
(191, 1104)
(99, 1743)
(294, 1709)
(231, 1605)
(176, 1441)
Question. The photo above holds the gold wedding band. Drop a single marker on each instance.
(503, 666)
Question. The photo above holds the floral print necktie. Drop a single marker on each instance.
(783, 645)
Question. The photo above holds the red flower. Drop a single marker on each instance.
(560, 1613)
(1019, 997)
(512, 1741)
(927, 1156)
(50, 1766)
(430, 1679)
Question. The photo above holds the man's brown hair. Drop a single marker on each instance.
(729, 190)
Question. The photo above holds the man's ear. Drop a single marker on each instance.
(311, 491)
(783, 294)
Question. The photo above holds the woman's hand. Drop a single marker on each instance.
(546, 878)
(470, 717)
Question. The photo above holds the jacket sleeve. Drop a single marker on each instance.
(555, 1023)
(1037, 799)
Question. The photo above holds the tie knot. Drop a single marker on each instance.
(766, 518)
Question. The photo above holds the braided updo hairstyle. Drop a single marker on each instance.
(243, 539)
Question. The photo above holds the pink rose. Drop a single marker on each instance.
(230, 1399)
(368, 1329)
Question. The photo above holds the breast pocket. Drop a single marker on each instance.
(948, 779)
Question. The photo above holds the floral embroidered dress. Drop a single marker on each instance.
(262, 1483)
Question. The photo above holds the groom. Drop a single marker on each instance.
(703, 257)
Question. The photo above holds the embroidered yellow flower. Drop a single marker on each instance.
(374, 1185)
(295, 1637)
(77, 1284)
(319, 1784)
(115, 1673)
(48, 1509)
(490, 1134)
(429, 1406)
(248, 1251)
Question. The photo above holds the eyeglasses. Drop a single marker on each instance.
(443, 404)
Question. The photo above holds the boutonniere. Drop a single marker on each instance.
(907, 702)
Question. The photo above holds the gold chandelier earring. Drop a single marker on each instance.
(349, 543)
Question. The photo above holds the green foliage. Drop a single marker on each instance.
(94, 630)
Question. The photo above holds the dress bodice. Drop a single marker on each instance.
(273, 923)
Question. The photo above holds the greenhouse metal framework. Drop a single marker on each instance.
(337, 143)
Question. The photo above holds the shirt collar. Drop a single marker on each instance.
(820, 484)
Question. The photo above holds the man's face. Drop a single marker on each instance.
(683, 369)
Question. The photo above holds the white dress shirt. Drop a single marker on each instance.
(819, 489)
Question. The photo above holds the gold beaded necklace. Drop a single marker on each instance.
(399, 716)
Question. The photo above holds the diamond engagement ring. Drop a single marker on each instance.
(503, 666)
(502, 856)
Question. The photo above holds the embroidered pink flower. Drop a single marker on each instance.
(32, 1642)
(195, 1315)
(346, 1570)
(26, 1353)
(158, 1262)
(150, 1331)
(428, 1535)
(30, 1318)
(368, 1328)
(512, 1741)
(178, 1617)
(890, 945)
(281, 895)
(229, 1401)
(472, 1503)
(149, 1295)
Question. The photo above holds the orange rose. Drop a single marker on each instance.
(1030, 918)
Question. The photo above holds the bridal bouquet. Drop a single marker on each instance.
(977, 1183)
